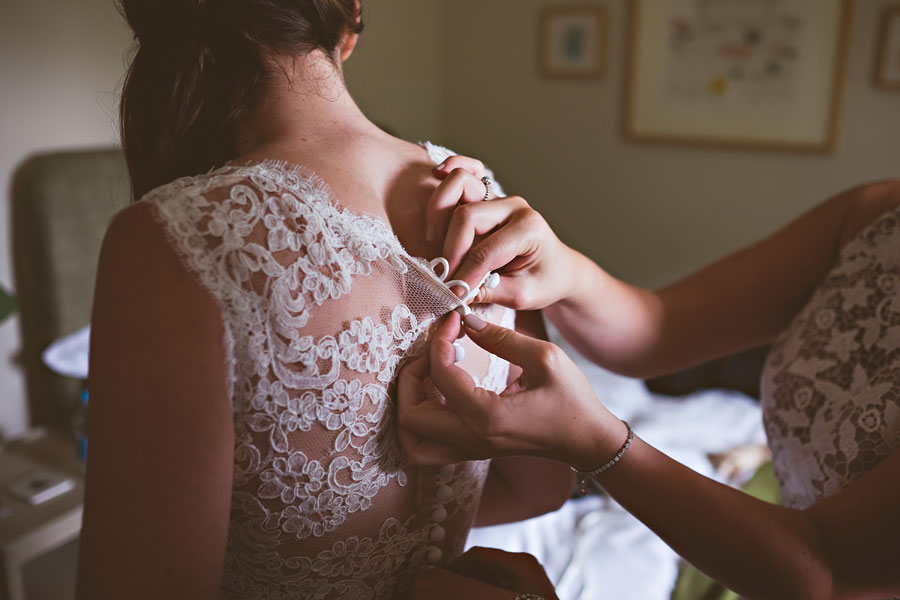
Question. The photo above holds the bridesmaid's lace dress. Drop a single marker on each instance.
(321, 305)
(831, 385)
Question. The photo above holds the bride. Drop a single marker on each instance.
(251, 312)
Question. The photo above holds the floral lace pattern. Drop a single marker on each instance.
(321, 306)
(831, 386)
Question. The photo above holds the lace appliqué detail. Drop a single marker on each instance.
(831, 386)
(314, 441)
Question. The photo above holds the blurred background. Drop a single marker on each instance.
(465, 74)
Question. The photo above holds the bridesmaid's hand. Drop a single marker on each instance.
(485, 573)
(549, 411)
(504, 235)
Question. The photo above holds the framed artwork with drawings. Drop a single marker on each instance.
(887, 62)
(760, 74)
(573, 41)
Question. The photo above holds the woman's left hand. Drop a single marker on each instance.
(485, 573)
(549, 411)
(505, 236)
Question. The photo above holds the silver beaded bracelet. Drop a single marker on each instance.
(528, 597)
(585, 476)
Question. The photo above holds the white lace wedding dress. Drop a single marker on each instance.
(831, 385)
(320, 306)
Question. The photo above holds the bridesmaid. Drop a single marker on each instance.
(824, 290)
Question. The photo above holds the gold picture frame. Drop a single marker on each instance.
(887, 64)
(573, 41)
(754, 74)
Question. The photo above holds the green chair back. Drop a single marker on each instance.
(61, 205)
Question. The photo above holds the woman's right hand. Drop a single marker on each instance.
(504, 235)
(549, 411)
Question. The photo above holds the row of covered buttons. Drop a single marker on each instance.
(442, 494)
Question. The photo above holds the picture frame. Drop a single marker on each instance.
(887, 65)
(573, 41)
(754, 74)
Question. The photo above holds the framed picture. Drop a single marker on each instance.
(573, 41)
(887, 71)
(762, 74)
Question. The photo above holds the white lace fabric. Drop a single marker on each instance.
(321, 305)
(831, 385)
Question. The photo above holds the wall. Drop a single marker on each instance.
(646, 212)
(60, 64)
(395, 72)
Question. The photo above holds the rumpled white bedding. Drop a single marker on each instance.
(593, 549)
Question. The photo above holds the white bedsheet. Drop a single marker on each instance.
(593, 549)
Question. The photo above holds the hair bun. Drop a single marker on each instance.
(167, 23)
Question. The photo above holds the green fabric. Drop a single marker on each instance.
(694, 585)
(7, 305)
(61, 205)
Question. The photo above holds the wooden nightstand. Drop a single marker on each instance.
(28, 531)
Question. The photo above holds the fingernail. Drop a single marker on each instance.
(473, 321)
(430, 233)
(441, 166)
(460, 352)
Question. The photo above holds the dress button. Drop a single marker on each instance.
(439, 514)
(434, 555)
(460, 352)
(437, 533)
(443, 494)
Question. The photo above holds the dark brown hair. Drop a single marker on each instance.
(198, 66)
